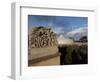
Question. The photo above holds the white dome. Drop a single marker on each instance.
(62, 40)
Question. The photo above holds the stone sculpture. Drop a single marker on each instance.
(42, 46)
(41, 37)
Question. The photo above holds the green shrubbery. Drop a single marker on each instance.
(73, 54)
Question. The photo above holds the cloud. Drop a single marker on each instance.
(79, 30)
(58, 30)
(77, 33)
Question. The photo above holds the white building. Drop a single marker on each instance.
(64, 41)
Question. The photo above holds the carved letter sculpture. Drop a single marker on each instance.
(41, 37)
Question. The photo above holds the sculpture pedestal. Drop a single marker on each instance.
(53, 59)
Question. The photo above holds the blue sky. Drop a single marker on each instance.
(59, 24)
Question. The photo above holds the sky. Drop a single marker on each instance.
(59, 24)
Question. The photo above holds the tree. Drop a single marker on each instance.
(83, 39)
